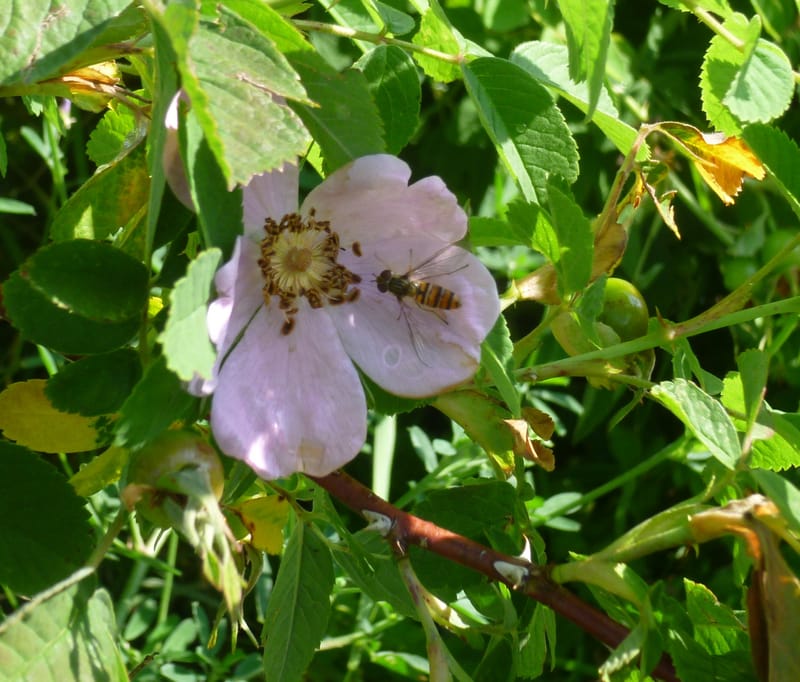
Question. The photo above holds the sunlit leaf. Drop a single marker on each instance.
(265, 518)
(703, 416)
(187, 348)
(28, 417)
(101, 471)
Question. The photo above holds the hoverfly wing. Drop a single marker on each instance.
(445, 261)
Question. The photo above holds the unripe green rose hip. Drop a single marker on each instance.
(624, 309)
(170, 453)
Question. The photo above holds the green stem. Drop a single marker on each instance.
(705, 322)
(376, 38)
(618, 482)
(169, 579)
(104, 545)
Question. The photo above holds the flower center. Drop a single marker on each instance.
(299, 258)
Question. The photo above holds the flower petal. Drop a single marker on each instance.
(409, 349)
(371, 199)
(171, 157)
(269, 195)
(288, 403)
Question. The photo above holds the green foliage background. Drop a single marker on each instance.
(529, 130)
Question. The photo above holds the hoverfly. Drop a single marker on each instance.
(414, 285)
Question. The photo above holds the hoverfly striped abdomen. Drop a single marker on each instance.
(434, 296)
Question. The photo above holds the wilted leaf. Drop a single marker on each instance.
(722, 161)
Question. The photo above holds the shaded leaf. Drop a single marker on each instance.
(781, 156)
(156, 402)
(95, 385)
(44, 526)
(299, 606)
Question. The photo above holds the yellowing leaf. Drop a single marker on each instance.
(723, 162)
(91, 87)
(28, 417)
(103, 470)
(541, 422)
(532, 450)
(265, 518)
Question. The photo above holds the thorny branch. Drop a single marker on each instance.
(404, 529)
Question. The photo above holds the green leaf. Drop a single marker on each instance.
(40, 38)
(64, 635)
(705, 418)
(753, 370)
(156, 402)
(90, 278)
(397, 22)
(436, 33)
(343, 133)
(78, 297)
(486, 231)
(41, 320)
(716, 627)
(163, 89)
(394, 84)
(776, 435)
(14, 206)
(44, 525)
(763, 87)
(722, 66)
(573, 233)
(547, 63)
(780, 451)
(219, 212)
(370, 564)
(112, 135)
(187, 348)
(520, 117)
(231, 70)
(109, 200)
(588, 24)
(299, 606)
(497, 358)
(541, 633)
(780, 154)
(95, 385)
(783, 493)
(101, 471)
(533, 226)
(478, 511)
